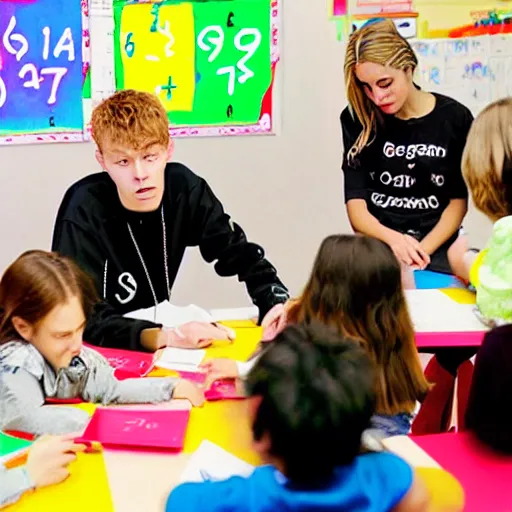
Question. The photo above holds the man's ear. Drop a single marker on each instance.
(23, 328)
(100, 159)
(170, 149)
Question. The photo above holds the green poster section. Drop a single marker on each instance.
(232, 62)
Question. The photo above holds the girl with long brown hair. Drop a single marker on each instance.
(402, 151)
(355, 287)
(44, 303)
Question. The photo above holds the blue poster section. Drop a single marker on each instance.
(40, 67)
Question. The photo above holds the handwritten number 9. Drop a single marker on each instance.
(9, 37)
(129, 46)
(217, 42)
(249, 49)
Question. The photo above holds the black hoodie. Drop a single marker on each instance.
(92, 228)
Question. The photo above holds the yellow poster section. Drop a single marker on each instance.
(437, 17)
(164, 58)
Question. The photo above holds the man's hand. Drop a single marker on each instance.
(190, 335)
(274, 322)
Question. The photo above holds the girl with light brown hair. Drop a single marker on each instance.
(44, 303)
(402, 151)
(487, 168)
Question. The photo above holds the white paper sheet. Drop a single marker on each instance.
(180, 359)
(434, 311)
(172, 316)
(408, 450)
(211, 462)
(246, 313)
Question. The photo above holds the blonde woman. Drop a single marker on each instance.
(402, 151)
(487, 168)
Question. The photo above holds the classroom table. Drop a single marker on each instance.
(484, 475)
(131, 481)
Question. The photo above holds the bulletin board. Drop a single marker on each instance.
(212, 63)
(464, 47)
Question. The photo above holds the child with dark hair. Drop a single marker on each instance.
(487, 412)
(311, 396)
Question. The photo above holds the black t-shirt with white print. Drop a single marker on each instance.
(412, 168)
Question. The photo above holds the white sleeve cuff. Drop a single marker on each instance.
(245, 367)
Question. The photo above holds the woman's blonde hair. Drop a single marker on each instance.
(487, 160)
(378, 42)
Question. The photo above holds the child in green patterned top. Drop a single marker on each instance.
(487, 169)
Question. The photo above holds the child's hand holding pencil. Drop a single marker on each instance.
(49, 458)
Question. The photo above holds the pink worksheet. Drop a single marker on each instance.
(138, 428)
(127, 363)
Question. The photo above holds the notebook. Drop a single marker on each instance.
(407, 449)
(127, 363)
(138, 427)
(211, 462)
(12, 447)
(180, 359)
(224, 389)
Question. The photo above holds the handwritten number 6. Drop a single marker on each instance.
(3, 93)
(129, 47)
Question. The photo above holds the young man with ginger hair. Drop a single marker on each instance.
(129, 227)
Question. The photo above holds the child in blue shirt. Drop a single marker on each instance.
(311, 396)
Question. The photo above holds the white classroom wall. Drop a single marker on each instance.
(285, 190)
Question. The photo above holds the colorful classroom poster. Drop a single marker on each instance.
(474, 70)
(432, 19)
(210, 62)
(463, 18)
(41, 70)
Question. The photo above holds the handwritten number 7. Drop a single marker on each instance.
(129, 46)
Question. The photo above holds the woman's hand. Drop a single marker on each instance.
(49, 458)
(408, 250)
(221, 368)
(189, 391)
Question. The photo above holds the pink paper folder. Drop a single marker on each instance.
(484, 475)
(449, 339)
(138, 428)
(127, 363)
(223, 390)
